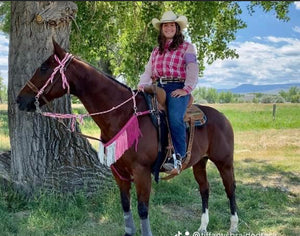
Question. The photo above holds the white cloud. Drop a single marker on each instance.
(266, 60)
(273, 39)
(297, 5)
(3, 62)
(4, 57)
(296, 29)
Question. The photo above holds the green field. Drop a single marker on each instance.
(267, 170)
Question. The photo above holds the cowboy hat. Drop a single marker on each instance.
(170, 16)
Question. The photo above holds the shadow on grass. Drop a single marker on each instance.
(268, 175)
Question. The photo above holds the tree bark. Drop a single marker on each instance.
(43, 153)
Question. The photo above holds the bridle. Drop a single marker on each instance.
(36, 103)
(62, 66)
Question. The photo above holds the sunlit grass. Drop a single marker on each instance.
(89, 127)
(4, 133)
(251, 116)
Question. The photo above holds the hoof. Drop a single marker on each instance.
(202, 231)
(233, 231)
(234, 224)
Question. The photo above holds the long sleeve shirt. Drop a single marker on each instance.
(180, 63)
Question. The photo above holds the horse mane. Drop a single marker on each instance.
(58, 50)
(109, 76)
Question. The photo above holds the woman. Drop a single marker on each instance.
(173, 66)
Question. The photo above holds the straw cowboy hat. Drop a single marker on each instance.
(170, 16)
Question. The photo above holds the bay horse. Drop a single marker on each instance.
(100, 92)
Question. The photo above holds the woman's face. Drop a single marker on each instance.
(169, 30)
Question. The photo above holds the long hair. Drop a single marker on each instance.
(178, 39)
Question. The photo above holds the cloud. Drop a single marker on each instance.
(265, 60)
(4, 41)
(296, 29)
(297, 5)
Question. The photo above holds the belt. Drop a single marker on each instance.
(165, 80)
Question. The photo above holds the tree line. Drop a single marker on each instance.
(204, 95)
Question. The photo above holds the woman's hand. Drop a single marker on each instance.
(179, 93)
(140, 88)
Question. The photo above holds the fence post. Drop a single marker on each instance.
(274, 110)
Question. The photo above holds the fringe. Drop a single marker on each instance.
(112, 151)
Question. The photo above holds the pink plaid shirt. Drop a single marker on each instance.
(170, 63)
(180, 63)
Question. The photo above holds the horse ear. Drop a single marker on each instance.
(57, 49)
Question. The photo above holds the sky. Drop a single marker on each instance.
(269, 52)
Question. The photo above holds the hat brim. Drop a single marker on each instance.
(156, 23)
(181, 21)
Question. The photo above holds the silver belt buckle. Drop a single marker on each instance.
(160, 80)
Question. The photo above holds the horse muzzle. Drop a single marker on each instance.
(26, 103)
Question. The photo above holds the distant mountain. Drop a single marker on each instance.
(268, 88)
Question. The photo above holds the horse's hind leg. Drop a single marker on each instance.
(227, 173)
(199, 171)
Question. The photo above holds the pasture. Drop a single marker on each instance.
(267, 171)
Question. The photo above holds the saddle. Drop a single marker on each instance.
(194, 117)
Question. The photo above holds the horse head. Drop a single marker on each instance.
(45, 84)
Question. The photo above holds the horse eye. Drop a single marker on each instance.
(44, 68)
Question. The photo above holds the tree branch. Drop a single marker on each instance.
(56, 13)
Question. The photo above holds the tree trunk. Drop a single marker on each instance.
(43, 152)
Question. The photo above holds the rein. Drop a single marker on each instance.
(81, 116)
(62, 66)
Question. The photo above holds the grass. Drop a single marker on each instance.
(4, 133)
(89, 126)
(267, 170)
(252, 116)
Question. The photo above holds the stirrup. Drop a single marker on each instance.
(173, 166)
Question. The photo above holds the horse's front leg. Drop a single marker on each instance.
(128, 219)
(125, 186)
(142, 180)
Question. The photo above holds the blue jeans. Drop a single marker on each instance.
(176, 109)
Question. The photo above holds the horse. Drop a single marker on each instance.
(100, 92)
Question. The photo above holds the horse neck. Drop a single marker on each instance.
(99, 93)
